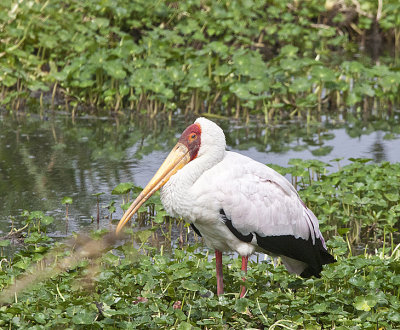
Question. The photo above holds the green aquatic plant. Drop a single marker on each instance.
(276, 59)
(123, 189)
(4, 243)
(361, 198)
(98, 205)
(99, 282)
(66, 201)
(111, 209)
(167, 290)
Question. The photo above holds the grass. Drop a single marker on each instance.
(102, 283)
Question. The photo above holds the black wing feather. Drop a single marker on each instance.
(239, 235)
(195, 229)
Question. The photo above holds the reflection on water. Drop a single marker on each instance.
(43, 161)
(378, 149)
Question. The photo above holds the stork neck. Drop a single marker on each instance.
(198, 166)
(175, 194)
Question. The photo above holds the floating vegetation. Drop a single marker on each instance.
(99, 282)
(270, 58)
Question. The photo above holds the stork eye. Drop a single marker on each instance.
(192, 137)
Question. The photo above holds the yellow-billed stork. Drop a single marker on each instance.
(235, 203)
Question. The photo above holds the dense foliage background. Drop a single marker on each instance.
(273, 58)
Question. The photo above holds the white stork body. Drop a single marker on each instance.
(237, 204)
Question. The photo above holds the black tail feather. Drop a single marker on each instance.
(314, 255)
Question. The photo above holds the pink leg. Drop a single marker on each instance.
(244, 268)
(220, 276)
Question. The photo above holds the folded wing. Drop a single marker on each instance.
(260, 206)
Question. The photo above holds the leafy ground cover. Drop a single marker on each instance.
(103, 283)
(360, 200)
(271, 58)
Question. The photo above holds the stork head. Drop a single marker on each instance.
(198, 140)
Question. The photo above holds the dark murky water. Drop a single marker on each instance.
(41, 161)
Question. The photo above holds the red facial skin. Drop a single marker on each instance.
(191, 138)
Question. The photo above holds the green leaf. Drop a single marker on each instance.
(300, 84)
(343, 231)
(222, 70)
(320, 308)
(365, 303)
(323, 151)
(33, 238)
(123, 188)
(8, 81)
(23, 263)
(100, 22)
(324, 74)
(40, 318)
(66, 200)
(394, 316)
(185, 326)
(47, 220)
(115, 69)
(144, 235)
(159, 218)
(393, 197)
(36, 215)
(35, 85)
(289, 51)
(4, 242)
(84, 317)
(360, 160)
(241, 305)
(191, 285)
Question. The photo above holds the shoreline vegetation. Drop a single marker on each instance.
(273, 59)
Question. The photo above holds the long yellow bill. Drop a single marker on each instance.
(177, 158)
